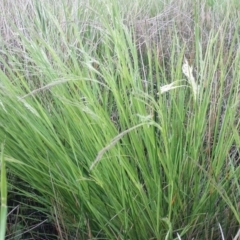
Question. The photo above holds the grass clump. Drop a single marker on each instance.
(118, 124)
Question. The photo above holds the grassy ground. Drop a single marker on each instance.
(120, 119)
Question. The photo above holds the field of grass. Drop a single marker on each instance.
(120, 119)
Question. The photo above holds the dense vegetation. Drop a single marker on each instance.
(120, 119)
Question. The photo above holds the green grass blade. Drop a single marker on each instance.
(3, 214)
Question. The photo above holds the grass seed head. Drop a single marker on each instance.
(188, 72)
(169, 87)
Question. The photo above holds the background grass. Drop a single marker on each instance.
(93, 149)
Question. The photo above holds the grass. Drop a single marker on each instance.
(3, 214)
(119, 123)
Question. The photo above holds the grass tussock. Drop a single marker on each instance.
(120, 120)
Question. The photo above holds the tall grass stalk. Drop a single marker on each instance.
(3, 214)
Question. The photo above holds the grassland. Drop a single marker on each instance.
(120, 119)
